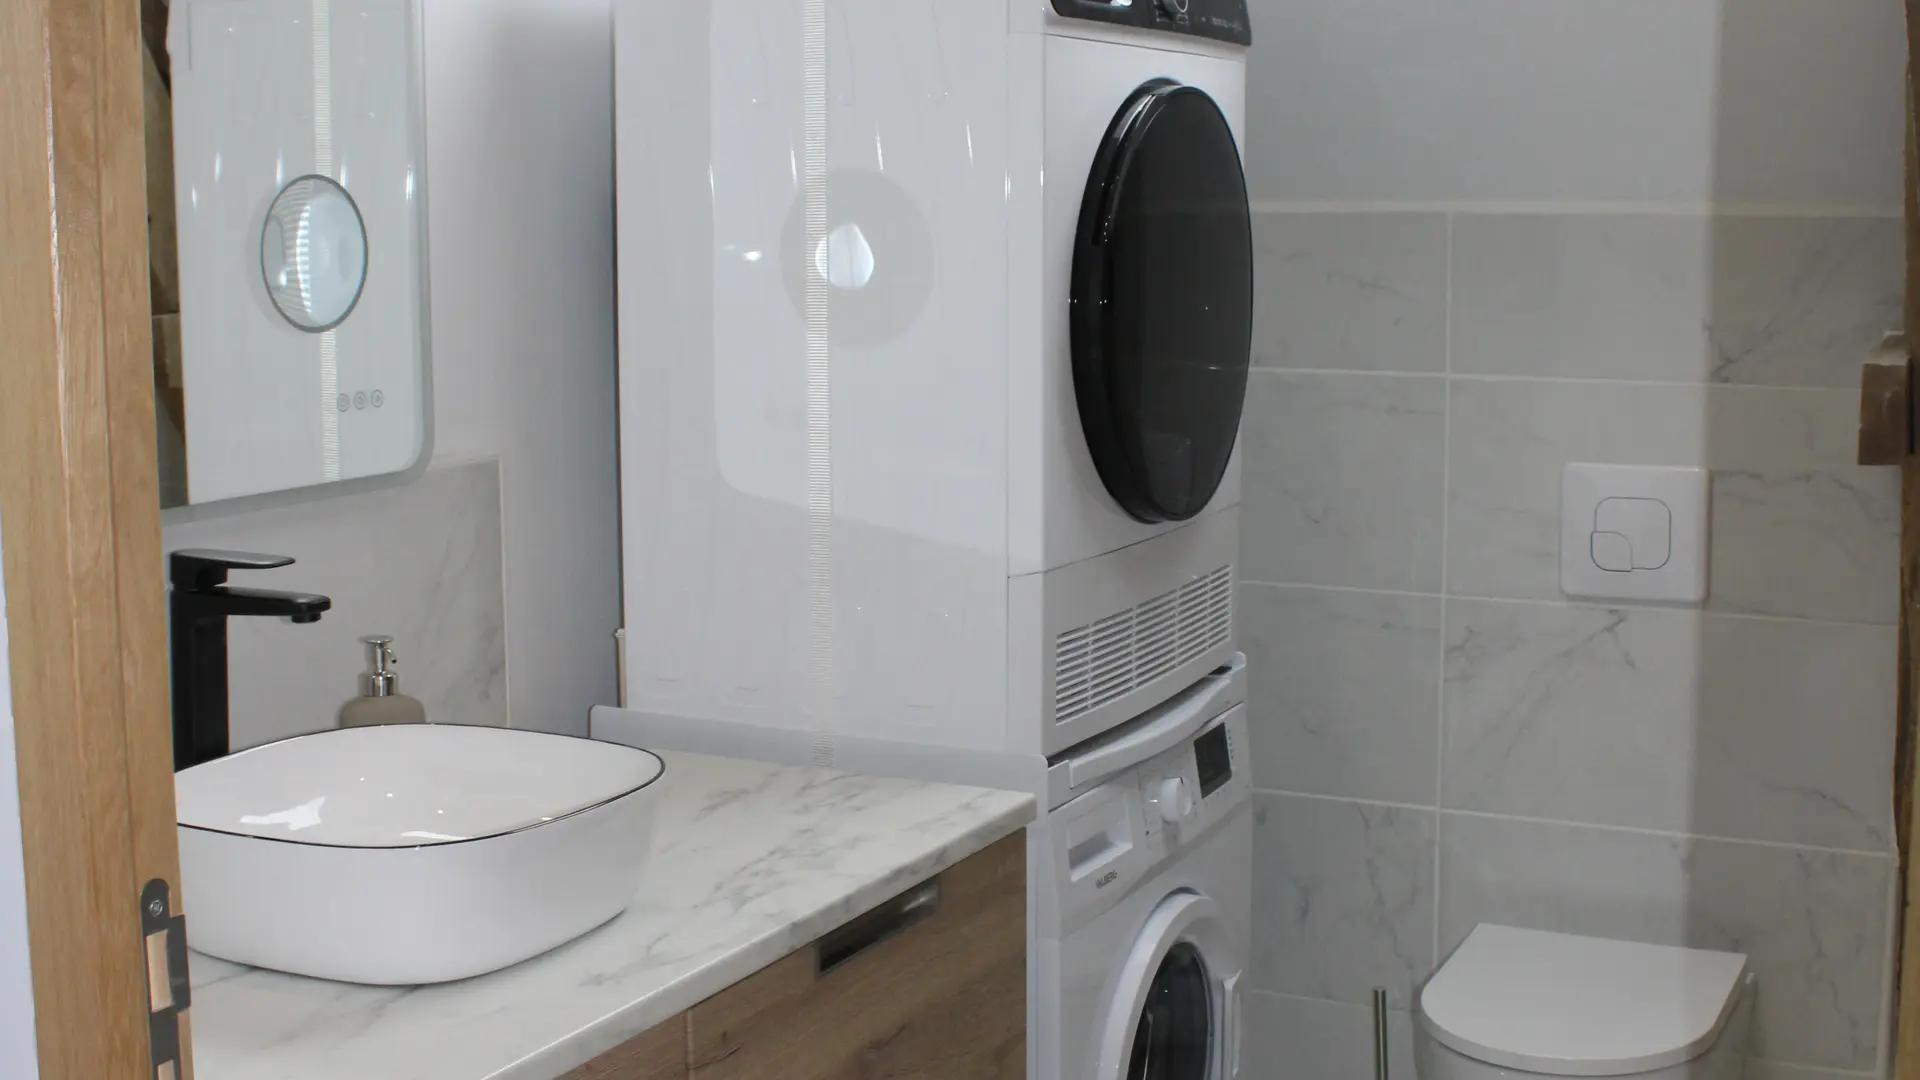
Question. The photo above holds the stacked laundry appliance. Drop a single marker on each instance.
(935, 324)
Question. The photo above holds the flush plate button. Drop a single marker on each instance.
(1634, 532)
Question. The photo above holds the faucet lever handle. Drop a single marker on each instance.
(203, 568)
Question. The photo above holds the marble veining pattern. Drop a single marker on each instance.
(1759, 729)
(1510, 442)
(1774, 301)
(1575, 713)
(1798, 529)
(1359, 292)
(750, 862)
(1341, 691)
(1797, 301)
(422, 562)
(1341, 476)
(1344, 896)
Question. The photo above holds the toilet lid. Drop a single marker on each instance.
(1577, 1006)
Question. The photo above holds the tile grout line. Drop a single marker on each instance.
(1564, 602)
(1440, 693)
(1635, 830)
(1264, 370)
(1575, 208)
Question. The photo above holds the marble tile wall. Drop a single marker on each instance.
(1439, 738)
(1771, 101)
(422, 563)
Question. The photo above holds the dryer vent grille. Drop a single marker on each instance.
(1108, 659)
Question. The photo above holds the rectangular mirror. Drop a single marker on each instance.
(286, 200)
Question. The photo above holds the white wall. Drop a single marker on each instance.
(520, 144)
(16, 977)
(1675, 101)
(520, 245)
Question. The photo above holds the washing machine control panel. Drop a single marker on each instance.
(1221, 20)
(1189, 788)
(1111, 838)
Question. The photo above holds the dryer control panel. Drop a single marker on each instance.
(1221, 20)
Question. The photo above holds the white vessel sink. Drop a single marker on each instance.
(409, 854)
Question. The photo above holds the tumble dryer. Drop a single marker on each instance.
(934, 331)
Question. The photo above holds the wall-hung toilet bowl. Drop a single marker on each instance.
(1522, 1003)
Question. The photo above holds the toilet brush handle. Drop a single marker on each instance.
(1379, 1033)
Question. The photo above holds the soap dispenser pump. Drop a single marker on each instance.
(380, 700)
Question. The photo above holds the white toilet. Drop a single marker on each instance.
(1522, 1003)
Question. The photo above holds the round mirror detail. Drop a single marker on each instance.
(313, 253)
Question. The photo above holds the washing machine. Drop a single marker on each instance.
(935, 323)
(1144, 917)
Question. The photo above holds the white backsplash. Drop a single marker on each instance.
(420, 562)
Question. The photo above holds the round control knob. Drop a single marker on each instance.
(1174, 801)
(1175, 8)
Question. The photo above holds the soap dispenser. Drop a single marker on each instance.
(380, 700)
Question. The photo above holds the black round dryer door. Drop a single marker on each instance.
(1162, 302)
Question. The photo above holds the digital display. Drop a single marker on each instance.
(1222, 20)
(1213, 760)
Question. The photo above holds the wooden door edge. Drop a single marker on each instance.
(1903, 1027)
(80, 511)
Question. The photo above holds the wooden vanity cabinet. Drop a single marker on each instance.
(659, 1054)
(929, 985)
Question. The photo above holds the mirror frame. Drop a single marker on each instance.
(267, 500)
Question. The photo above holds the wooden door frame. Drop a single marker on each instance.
(80, 509)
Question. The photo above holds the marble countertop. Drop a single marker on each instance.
(750, 862)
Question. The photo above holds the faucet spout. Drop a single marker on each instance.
(233, 600)
(199, 605)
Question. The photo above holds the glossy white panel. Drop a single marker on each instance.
(1770, 101)
(1031, 387)
(824, 506)
(895, 593)
(264, 94)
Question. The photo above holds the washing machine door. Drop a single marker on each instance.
(1162, 302)
(1174, 1013)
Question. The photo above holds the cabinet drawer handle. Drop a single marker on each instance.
(888, 920)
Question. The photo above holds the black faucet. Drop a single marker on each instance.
(199, 605)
